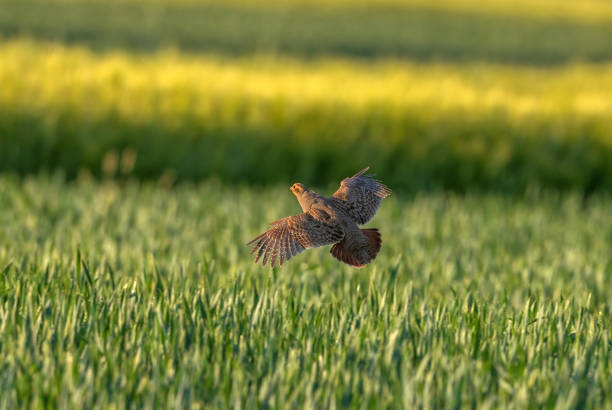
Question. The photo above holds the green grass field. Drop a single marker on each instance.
(540, 32)
(113, 294)
(144, 142)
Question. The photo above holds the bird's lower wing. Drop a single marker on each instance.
(361, 195)
(292, 235)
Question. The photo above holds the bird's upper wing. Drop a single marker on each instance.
(361, 196)
(293, 234)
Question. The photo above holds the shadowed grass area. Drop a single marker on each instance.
(414, 31)
(134, 294)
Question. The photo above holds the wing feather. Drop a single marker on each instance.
(284, 251)
(289, 236)
(360, 196)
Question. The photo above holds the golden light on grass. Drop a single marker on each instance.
(170, 85)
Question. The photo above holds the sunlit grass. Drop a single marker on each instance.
(170, 84)
(134, 294)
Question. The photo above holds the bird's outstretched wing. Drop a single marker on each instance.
(361, 196)
(293, 234)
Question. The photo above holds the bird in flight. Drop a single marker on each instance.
(328, 221)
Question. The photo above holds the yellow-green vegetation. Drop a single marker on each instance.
(139, 296)
(428, 125)
(144, 142)
(587, 10)
(454, 95)
(539, 32)
(44, 75)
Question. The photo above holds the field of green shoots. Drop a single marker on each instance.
(144, 142)
(135, 294)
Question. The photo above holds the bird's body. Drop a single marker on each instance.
(328, 221)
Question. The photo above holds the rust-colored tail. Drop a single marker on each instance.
(358, 257)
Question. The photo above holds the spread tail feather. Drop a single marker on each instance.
(361, 257)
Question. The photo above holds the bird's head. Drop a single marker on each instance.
(305, 196)
(298, 189)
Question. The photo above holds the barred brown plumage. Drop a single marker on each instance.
(328, 221)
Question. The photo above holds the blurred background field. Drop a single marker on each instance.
(458, 95)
